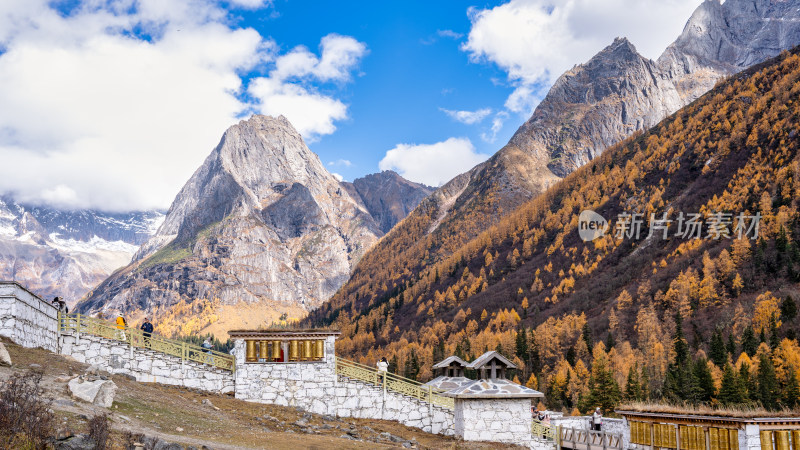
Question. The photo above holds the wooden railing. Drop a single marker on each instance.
(588, 439)
(393, 382)
(78, 323)
(543, 431)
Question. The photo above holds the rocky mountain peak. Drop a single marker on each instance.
(387, 196)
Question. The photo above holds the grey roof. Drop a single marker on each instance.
(487, 357)
(493, 389)
(446, 362)
(448, 383)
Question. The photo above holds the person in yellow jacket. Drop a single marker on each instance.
(121, 324)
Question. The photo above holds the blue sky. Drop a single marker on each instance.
(113, 104)
(410, 72)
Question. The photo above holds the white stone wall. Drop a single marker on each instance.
(145, 365)
(27, 319)
(315, 387)
(750, 437)
(501, 420)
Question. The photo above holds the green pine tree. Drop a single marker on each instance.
(705, 382)
(586, 335)
(644, 382)
(788, 308)
(716, 350)
(767, 383)
(749, 342)
(730, 390)
(633, 390)
(731, 347)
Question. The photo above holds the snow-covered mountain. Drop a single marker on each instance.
(67, 253)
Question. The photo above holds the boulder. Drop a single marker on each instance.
(99, 392)
(77, 442)
(5, 358)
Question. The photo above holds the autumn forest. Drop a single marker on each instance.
(704, 318)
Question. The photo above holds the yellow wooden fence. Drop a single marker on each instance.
(393, 382)
(78, 323)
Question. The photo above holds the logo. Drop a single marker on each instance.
(591, 225)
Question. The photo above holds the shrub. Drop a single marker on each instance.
(26, 420)
(99, 431)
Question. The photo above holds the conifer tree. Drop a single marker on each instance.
(716, 350)
(633, 389)
(522, 344)
(644, 382)
(767, 383)
(705, 382)
(749, 342)
(731, 347)
(586, 335)
(730, 391)
(788, 308)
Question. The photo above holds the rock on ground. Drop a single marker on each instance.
(5, 359)
(99, 392)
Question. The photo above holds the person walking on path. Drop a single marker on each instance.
(147, 331)
(597, 419)
(121, 324)
(207, 345)
(383, 369)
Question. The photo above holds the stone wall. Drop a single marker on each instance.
(27, 319)
(145, 365)
(501, 420)
(315, 387)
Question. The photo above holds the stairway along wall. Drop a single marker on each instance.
(315, 387)
(145, 365)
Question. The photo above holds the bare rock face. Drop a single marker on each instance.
(261, 220)
(5, 359)
(96, 392)
(388, 197)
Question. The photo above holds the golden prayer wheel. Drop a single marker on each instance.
(723, 439)
(782, 440)
(733, 439)
(276, 350)
(263, 354)
(251, 351)
(713, 438)
(319, 349)
(795, 440)
(657, 435)
(766, 440)
(294, 351)
(308, 350)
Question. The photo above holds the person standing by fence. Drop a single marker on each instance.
(597, 419)
(147, 331)
(121, 324)
(383, 369)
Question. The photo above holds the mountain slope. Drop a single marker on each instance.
(67, 253)
(260, 229)
(733, 151)
(590, 107)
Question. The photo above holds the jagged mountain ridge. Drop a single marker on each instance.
(262, 225)
(590, 107)
(387, 196)
(67, 253)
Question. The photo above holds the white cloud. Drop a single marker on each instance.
(449, 34)
(535, 41)
(337, 176)
(432, 164)
(467, 117)
(114, 105)
(312, 113)
(497, 124)
(341, 162)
